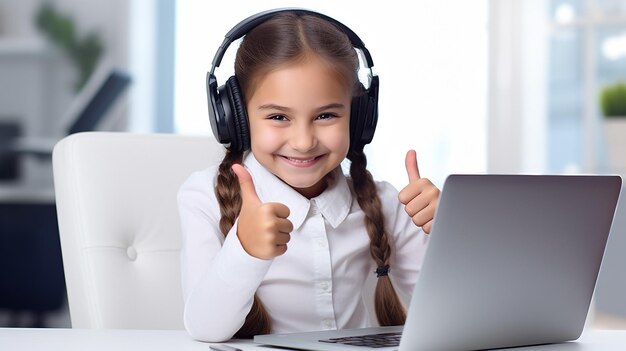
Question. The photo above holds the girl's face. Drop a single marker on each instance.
(300, 124)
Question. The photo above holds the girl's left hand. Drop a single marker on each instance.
(420, 197)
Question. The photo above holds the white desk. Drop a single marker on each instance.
(155, 340)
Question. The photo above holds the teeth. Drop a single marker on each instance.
(300, 161)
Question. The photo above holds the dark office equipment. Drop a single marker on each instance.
(31, 273)
(9, 168)
(96, 108)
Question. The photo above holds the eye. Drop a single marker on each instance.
(325, 116)
(278, 118)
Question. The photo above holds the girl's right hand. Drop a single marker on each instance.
(263, 229)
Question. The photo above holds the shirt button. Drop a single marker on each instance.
(131, 252)
(321, 243)
(328, 323)
(325, 286)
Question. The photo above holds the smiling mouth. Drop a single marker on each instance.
(301, 162)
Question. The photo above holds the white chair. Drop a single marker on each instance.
(119, 225)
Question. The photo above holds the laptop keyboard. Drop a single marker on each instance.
(371, 340)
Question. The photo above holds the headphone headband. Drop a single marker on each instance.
(227, 107)
(243, 27)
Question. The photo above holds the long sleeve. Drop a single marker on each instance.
(219, 278)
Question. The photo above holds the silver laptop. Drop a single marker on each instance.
(512, 261)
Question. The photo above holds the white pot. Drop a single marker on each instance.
(615, 131)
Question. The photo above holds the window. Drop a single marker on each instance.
(587, 41)
(548, 62)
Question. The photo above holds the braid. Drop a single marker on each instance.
(229, 198)
(227, 191)
(389, 309)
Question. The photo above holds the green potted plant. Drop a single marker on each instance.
(613, 106)
(84, 52)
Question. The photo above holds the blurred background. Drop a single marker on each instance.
(487, 86)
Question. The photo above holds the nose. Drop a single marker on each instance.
(303, 138)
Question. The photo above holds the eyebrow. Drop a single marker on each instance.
(335, 105)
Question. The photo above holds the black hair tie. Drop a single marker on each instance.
(382, 271)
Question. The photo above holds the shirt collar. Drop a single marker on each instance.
(334, 203)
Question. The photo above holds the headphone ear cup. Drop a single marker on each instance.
(357, 110)
(364, 115)
(239, 117)
(218, 112)
(371, 113)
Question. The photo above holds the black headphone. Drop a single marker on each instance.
(227, 108)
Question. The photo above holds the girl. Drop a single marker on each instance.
(278, 239)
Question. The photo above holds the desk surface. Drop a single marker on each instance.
(155, 340)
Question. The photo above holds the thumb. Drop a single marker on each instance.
(411, 166)
(246, 183)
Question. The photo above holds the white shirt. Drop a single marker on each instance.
(319, 283)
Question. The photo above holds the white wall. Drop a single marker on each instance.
(517, 137)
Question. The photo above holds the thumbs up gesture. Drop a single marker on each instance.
(420, 197)
(263, 228)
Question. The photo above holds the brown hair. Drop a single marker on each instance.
(288, 38)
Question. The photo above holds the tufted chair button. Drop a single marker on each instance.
(132, 253)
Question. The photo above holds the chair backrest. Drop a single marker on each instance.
(119, 225)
